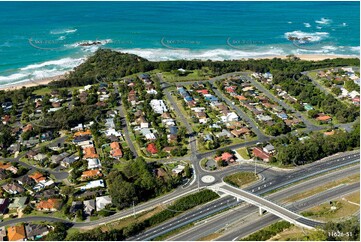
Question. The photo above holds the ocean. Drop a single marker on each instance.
(44, 39)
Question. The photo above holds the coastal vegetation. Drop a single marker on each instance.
(137, 183)
(292, 150)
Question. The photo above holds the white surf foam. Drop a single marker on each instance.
(315, 36)
(307, 25)
(63, 63)
(323, 21)
(63, 31)
(215, 54)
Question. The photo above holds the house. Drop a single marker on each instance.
(40, 157)
(151, 148)
(241, 131)
(67, 161)
(202, 91)
(116, 151)
(224, 133)
(173, 130)
(269, 149)
(158, 106)
(9, 167)
(178, 170)
(26, 181)
(172, 138)
(329, 133)
(90, 174)
(148, 134)
(226, 156)
(75, 206)
(210, 97)
(82, 133)
(166, 115)
(52, 204)
(43, 184)
(89, 207)
(324, 118)
(142, 122)
(36, 231)
(37, 177)
(16, 233)
(102, 202)
(93, 163)
(264, 118)
(4, 203)
(56, 159)
(259, 153)
(169, 149)
(2, 233)
(202, 117)
(27, 128)
(90, 152)
(93, 184)
(19, 202)
(13, 188)
(229, 117)
(31, 154)
(208, 137)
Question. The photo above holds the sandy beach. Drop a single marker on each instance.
(45, 81)
(31, 83)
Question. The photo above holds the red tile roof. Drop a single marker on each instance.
(323, 118)
(203, 91)
(257, 152)
(152, 148)
(225, 156)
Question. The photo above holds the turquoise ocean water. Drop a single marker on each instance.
(42, 39)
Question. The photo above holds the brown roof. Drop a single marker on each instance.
(51, 203)
(323, 118)
(16, 233)
(89, 152)
(90, 174)
(83, 133)
(37, 177)
(257, 152)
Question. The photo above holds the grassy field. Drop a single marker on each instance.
(47, 90)
(196, 75)
(241, 179)
(243, 153)
(345, 207)
(350, 179)
(129, 220)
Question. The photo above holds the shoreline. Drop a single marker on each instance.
(45, 81)
(31, 83)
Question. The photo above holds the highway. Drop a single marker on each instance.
(267, 205)
(245, 230)
(188, 217)
(237, 216)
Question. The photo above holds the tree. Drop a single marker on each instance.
(337, 91)
(187, 171)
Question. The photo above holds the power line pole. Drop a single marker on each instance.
(255, 167)
(133, 210)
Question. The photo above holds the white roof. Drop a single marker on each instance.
(178, 169)
(93, 163)
(101, 202)
(93, 184)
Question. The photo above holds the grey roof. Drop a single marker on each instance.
(89, 206)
